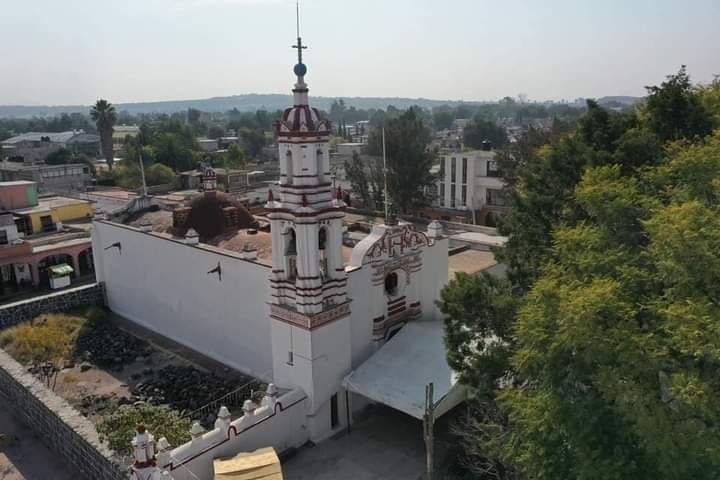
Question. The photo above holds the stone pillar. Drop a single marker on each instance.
(35, 274)
(76, 265)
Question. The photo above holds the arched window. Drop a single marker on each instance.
(289, 166)
(391, 283)
(291, 248)
(322, 238)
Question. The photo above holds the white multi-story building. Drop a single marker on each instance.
(471, 182)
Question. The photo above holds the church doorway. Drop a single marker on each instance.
(334, 415)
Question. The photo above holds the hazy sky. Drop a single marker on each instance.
(74, 51)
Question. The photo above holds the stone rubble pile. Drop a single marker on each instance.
(106, 346)
(185, 388)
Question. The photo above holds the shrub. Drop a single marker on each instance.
(47, 338)
(118, 429)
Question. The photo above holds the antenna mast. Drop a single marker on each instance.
(387, 206)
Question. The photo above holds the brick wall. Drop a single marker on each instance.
(25, 310)
(56, 423)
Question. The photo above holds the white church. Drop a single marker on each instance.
(331, 328)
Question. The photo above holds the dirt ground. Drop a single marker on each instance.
(73, 384)
(24, 457)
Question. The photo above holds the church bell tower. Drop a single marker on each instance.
(309, 308)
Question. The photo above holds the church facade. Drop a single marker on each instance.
(303, 316)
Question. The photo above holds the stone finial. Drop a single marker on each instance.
(146, 226)
(196, 430)
(435, 229)
(223, 418)
(192, 237)
(163, 444)
(270, 397)
(249, 407)
(249, 251)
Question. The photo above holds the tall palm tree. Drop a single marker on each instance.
(105, 117)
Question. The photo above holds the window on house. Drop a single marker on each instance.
(495, 198)
(47, 223)
(464, 170)
(442, 194)
(442, 168)
(464, 196)
(453, 169)
(3, 237)
(452, 196)
(24, 226)
(492, 169)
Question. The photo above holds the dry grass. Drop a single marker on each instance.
(47, 338)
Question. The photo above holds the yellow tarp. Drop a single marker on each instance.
(262, 464)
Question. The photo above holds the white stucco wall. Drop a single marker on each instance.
(280, 426)
(163, 285)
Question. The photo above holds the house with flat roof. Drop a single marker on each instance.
(33, 147)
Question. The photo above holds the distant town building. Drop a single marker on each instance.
(208, 145)
(34, 147)
(34, 239)
(120, 133)
(350, 148)
(49, 178)
(471, 182)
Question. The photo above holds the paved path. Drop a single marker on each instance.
(387, 445)
(24, 457)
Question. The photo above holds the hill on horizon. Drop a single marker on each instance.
(253, 101)
(245, 103)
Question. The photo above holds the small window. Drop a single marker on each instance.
(464, 170)
(3, 237)
(391, 284)
(47, 223)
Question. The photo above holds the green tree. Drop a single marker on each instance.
(172, 151)
(355, 171)
(674, 109)
(216, 131)
(253, 141)
(159, 174)
(479, 130)
(443, 119)
(234, 157)
(118, 428)
(59, 157)
(105, 117)
(408, 159)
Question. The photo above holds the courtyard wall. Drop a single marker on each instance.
(164, 284)
(25, 310)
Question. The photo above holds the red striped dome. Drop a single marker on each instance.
(302, 120)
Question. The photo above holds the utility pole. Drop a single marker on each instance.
(428, 430)
(387, 200)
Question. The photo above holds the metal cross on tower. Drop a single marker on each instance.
(300, 47)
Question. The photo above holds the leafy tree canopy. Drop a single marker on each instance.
(600, 357)
(118, 428)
